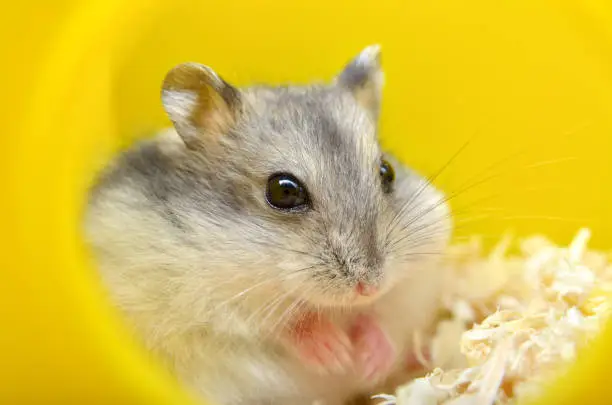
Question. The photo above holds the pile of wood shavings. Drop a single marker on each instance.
(514, 321)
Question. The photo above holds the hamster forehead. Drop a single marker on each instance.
(319, 134)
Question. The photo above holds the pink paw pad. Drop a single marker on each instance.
(321, 344)
(373, 349)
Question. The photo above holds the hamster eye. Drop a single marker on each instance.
(285, 192)
(387, 176)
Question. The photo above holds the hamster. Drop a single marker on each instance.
(265, 248)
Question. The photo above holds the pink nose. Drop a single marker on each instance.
(366, 290)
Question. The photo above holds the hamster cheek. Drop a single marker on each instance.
(320, 344)
(374, 352)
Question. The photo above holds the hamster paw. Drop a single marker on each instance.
(322, 345)
(374, 351)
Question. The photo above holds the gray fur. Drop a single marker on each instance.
(192, 252)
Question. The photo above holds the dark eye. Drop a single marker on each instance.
(285, 192)
(387, 176)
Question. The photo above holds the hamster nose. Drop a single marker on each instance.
(367, 290)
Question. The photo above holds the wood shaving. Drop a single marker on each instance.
(515, 321)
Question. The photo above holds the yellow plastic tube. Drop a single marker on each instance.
(527, 82)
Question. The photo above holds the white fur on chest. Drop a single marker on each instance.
(237, 370)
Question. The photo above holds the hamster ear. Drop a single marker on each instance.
(364, 77)
(199, 103)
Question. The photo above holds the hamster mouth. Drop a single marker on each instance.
(360, 300)
(349, 294)
(366, 290)
(354, 298)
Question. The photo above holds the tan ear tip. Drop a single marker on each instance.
(190, 76)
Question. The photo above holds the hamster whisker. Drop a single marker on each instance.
(468, 186)
(285, 249)
(527, 147)
(273, 304)
(415, 241)
(420, 231)
(245, 292)
(421, 254)
(419, 242)
(419, 238)
(416, 257)
(236, 277)
(269, 307)
(303, 269)
(276, 300)
(432, 228)
(427, 183)
(476, 179)
(528, 191)
(457, 213)
(291, 310)
(467, 208)
(291, 305)
(414, 245)
(551, 218)
(546, 218)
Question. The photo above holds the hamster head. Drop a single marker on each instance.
(281, 187)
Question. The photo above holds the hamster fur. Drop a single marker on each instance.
(217, 282)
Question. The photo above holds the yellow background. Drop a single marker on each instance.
(527, 84)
